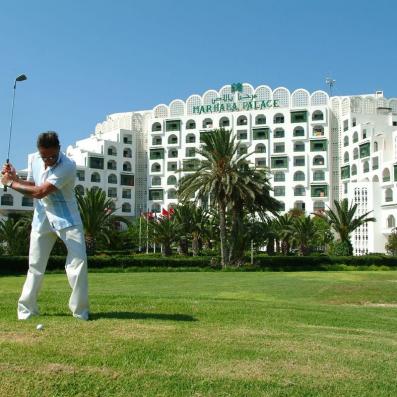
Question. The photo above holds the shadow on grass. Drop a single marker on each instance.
(141, 316)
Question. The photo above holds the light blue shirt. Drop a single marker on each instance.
(59, 209)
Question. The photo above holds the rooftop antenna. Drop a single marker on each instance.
(330, 83)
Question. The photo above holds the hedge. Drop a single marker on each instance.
(321, 262)
(19, 264)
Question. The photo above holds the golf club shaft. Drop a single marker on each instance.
(9, 136)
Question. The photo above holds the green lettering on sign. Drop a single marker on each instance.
(229, 105)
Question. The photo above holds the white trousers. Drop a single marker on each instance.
(41, 244)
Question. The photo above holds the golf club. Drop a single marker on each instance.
(22, 77)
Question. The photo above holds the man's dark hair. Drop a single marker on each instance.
(48, 139)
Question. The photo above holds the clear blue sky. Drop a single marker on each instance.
(89, 58)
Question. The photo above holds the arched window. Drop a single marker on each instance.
(112, 165)
(355, 153)
(354, 169)
(299, 146)
(156, 167)
(299, 205)
(112, 178)
(318, 160)
(355, 137)
(156, 127)
(388, 195)
(375, 178)
(190, 125)
(79, 189)
(224, 122)
(279, 176)
(318, 206)
(391, 221)
(172, 139)
(317, 115)
(127, 152)
(95, 177)
(260, 119)
(126, 207)
(278, 118)
(375, 146)
(156, 181)
(260, 148)
(157, 140)
(7, 199)
(242, 120)
(366, 166)
(318, 175)
(190, 138)
(299, 176)
(171, 194)
(386, 175)
(346, 157)
(172, 153)
(278, 133)
(299, 190)
(299, 131)
(346, 141)
(207, 123)
(171, 180)
(112, 151)
(127, 166)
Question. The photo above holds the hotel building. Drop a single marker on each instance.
(317, 148)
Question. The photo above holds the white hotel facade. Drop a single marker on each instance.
(317, 148)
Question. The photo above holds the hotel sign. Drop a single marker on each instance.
(235, 102)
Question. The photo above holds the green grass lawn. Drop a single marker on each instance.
(206, 334)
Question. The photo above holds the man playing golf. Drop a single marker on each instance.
(51, 178)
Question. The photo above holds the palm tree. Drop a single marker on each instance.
(251, 191)
(284, 231)
(226, 177)
(213, 178)
(344, 221)
(96, 212)
(14, 234)
(304, 233)
(163, 231)
(183, 222)
(191, 221)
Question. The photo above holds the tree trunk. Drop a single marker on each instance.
(278, 247)
(183, 246)
(90, 244)
(222, 233)
(195, 245)
(167, 251)
(285, 247)
(237, 236)
(270, 246)
(304, 249)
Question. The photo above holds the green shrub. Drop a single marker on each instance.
(19, 264)
(341, 248)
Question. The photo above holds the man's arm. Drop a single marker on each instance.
(30, 189)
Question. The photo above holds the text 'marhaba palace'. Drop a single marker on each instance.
(317, 148)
